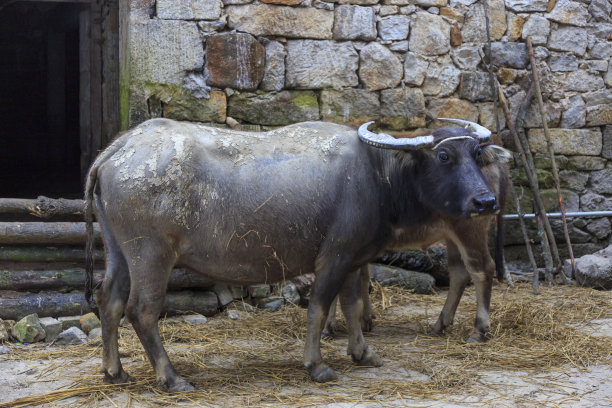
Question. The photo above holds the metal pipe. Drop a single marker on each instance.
(558, 215)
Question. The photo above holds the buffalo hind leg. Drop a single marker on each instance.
(353, 307)
(458, 280)
(147, 294)
(330, 323)
(111, 298)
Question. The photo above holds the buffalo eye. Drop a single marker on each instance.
(443, 156)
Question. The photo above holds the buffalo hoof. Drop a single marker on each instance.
(121, 378)
(181, 386)
(434, 331)
(322, 373)
(328, 332)
(367, 323)
(476, 337)
(369, 359)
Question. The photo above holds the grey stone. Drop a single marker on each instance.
(433, 10)
(575, 116)
(538, 28)
(599, 115)
(291, 22)
(595, 202)
(195, 319)
(585, 142)
(71, 336)
(385, 11)
(236, 2)
(95, 334)
(189, 9)
(70, 321)
(441, 78)
(466, 57)
(195, 83)
(4, 350)
(224, 294)
(573, 180)
(162, 51)
(239, 292)
(52, 327)
(399, 46)
(274, 68)
(238, 314)
(569, 12)
(419, 282)
(454, 3)
(474, 27)
(28, 330)
(354, 23)
(513, 55)
(321, 64)
(608, 75)
(600, 97)
(600, 30)
(595, 270)
(600, 9)
(596, 65)
(600, 227)
(430, 35)
(409, 9)
(290, 293)
(601, 181)
(271, 304)
(379, 68)
(540, 53)
(4, 336)
(606, 150)
(586, 163)
(415, 68)
(351, 106)
(259, 291)
(526, 5)
(476, 86)
(568, 38)
(212, 26)
(583, 81)
(563, 62)
(394, 28)
(274, 109)
(402, 108)
(323, 5)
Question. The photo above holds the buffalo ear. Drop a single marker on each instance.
(495, 154)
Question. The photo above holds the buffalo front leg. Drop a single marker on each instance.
(458, 280)
(147, 294)
(352, 307)
(481, 270)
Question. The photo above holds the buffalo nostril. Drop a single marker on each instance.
(485, 203)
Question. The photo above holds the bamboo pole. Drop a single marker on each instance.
(551, 152)
(534, 265)
(45, 233)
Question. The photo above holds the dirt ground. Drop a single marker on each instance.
(550, 350)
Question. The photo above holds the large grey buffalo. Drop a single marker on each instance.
(242, 208)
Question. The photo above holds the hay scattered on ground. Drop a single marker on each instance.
(258, 360)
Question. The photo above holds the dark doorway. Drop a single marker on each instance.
(40, 85)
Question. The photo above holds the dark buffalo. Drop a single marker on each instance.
(468, 257)
(243, 207)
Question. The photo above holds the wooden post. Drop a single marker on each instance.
(45, 233)
(42, 207)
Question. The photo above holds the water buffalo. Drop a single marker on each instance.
(468, 256)
(246, 207)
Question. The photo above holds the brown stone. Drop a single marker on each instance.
(506, 75)
(576, 142)
(515, 27)
(283, 2)
(599, 115)
(234, 60)
(176, 103)
(455, 36)
(452, 108)
(452, 14)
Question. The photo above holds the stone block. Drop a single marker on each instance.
(582, 142)
(466, 57)
(599, 49)
(452, 108)
(162, 51)
(474, 27)
(568, 38)
(52, 328)
(452, 14)
(283, 2)
(89, 322)
(354, 23)
(291, 22)
(595, 270)
(234, 60)
(95, 334)
(4, 336)
(177, 103)
(538, 28)
(188, 9)
(601, 181)
(569, 12)
(274, 109)
(550, 199)
(290, 293)
(486, 116)
(321, 64)
(563, 62)
(274, 67)
(606, 151)
(394, 28)
(71, 336)
(455, 36)
(583, 81)
(575, 115)
(271, 304)
(599, 97)
(430, 35)
(599, 115)
(441, 78)
(350, 106)
(586, 163)
(379, 68)
(419, 282)
(600, 227)
(475, 86)
(195, 319)
(28, 330)
(573, 180)
(402, 108)
(595, 202)
(70, 321)
(522, 6)
(513, 55)
(515, 26)
(415, 68)
(600, 10)
(224, 294)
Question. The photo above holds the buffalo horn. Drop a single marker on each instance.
(482, 132)
(386, 141)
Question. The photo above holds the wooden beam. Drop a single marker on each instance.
(48, 233)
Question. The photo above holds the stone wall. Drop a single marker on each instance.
(274, 62)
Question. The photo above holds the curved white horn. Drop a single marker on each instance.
(482, 132)
(385, 141)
